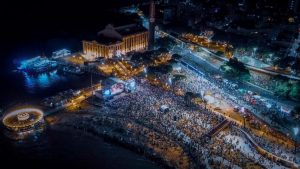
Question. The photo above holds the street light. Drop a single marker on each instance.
(170, 80)
(296, 131)
(254, 51)
(244, 117)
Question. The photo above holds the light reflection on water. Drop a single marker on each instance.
(41, 81)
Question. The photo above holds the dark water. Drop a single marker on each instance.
(69, 149)
(22, 88)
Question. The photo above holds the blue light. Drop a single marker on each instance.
(43, 80)
(132, 85)
(60, 53)
(29, 81)
(106, 92)
(170, 80)
(37, 64)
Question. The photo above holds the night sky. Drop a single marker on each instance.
(28, 25)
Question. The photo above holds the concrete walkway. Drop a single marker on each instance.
(267, 154)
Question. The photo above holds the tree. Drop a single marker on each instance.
(178, 77)
(188, 98)
(284, 62)
(236, 69)
(144, 58)
(295, 91)
(165, 42)
(283, 86)
(296, 65)
(283, 89)
(205, 103)
(162, 69)
(295, 113)
(173, 61)
(161, 50)
(176, 56)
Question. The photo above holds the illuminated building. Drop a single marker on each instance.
(22, 119)
(37, 65)
(116, 41)
(60, 53)
(114, 86)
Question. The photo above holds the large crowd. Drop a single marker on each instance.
(180, 121)
(277, 147)
(182, 126)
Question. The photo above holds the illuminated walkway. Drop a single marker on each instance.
(86, 93)
(267, 154)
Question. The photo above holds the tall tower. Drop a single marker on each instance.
(151, 25)
(293, 5)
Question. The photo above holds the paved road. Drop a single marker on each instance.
(269, 72)
(213, 69)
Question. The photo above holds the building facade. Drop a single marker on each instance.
(116, 41)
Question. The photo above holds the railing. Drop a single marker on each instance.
(267, 154)
(221, 126)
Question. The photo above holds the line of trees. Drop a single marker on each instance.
(296, 113)
(190, 96)
(286, 88)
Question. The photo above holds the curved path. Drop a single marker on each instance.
(267, 154)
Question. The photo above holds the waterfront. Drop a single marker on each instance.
(56, 147)
(22, 87)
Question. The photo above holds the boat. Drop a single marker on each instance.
(37, 65)
(60, 53)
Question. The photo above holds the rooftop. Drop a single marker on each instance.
(111, 34)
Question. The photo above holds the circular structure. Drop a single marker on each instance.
(23, 116)
(23, 119)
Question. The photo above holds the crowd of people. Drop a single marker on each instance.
(180, 121)
(199, 84)
(241, 151)
(281, 150)
(177, 135)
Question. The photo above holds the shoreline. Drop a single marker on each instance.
(111, 138)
